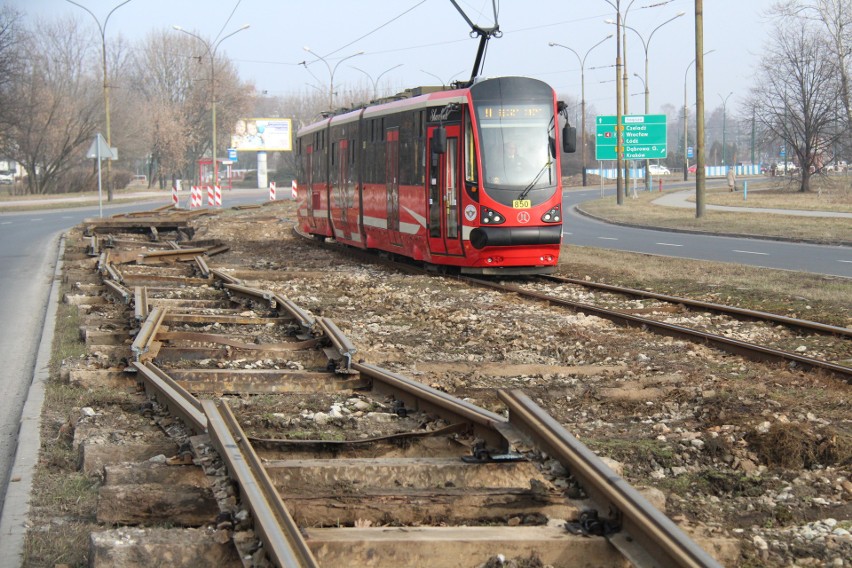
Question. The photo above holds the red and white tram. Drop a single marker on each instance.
(467, 177)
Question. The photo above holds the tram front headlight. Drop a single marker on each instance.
(490, 217)
(553, 215)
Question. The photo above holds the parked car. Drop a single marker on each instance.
(658, 170)
(838, 166)
(692, 169)
(786, 168)
(7, 178)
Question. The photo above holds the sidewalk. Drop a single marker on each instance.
(84, 199)
(681, 199)
(163, 194)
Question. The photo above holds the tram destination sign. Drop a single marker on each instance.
(643, 137)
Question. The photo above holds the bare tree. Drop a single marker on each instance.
(11, 36)
(836, 17)
(172, 74)
(796, 94)
(57, 103)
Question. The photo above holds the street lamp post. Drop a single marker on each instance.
(724, 121)
(331, 72)
(582, 61)
(619, 137)
(376, 82)
(645, 46)
(102, 29)
(686, 119)
(211, 51)
(443, 83)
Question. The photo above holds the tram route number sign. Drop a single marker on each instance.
(643, 137)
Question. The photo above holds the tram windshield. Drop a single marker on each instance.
(516, 158)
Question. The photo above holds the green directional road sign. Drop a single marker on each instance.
(643, 137)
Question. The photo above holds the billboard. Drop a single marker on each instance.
(262, 135)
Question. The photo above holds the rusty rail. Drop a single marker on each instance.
(280, 534)
(648, 538)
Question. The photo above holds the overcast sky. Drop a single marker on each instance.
(430, 38)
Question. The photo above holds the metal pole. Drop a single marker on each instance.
(700, 177)
(376, 82)
(100, 191)
(724, 126)
(582, 61)
(619, 138)
(211, 51)
(102, 29)
(330, 72)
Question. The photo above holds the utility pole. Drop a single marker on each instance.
(700, 175)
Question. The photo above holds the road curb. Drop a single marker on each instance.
(16, 506)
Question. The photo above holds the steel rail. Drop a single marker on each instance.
(488, 425)
(118, 290)
(224, 276)
(113, 272)
(710, 306)
(282, 539)
(179, 401)
(305, 319)
(179, 254)
(140, 302)
(148, 331)
(345, 348)
(202, 266)
(276, 301)
(93, 248)
(743, 348)
(254, 293)
(660, 541)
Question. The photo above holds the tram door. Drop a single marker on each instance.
(392, 183)
(312, 196)
(344, 187)
(444, 174)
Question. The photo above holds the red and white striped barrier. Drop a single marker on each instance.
(211, 199)
(195, 197)
(272, 191)
(175, 201)
(217, 199)
(293, 188)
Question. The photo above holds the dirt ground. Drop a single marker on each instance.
(762, 453)
(756, 452)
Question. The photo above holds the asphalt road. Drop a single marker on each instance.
(584, 231)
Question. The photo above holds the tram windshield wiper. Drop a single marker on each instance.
(531, 185)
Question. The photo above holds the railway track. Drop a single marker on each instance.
(394, 473)
(713, 337)
(666, 318)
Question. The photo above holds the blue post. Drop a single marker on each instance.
(745, 190)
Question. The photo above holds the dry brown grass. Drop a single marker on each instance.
(810, 296)
(643, 211)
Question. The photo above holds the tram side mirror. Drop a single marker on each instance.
(439, 140)
(569, 139)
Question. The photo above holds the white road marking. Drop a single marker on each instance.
(39, 219)
(752, 252)
(669, 245)
(6, 223)
(608, 238)
(846, 261)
